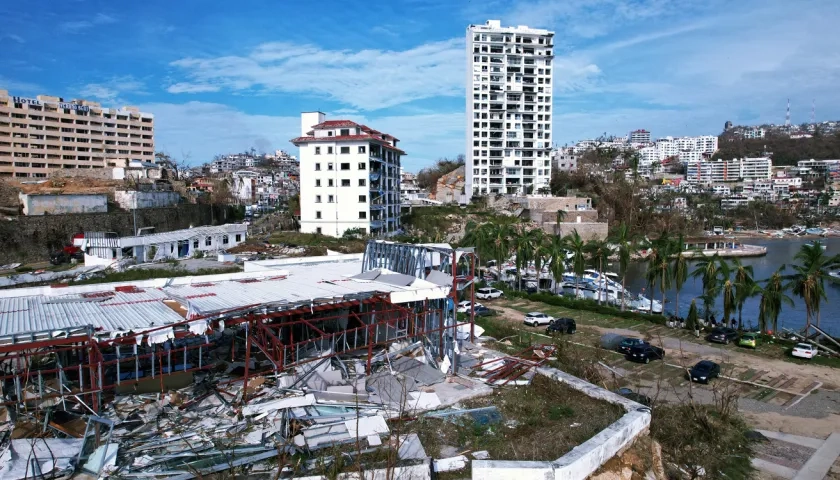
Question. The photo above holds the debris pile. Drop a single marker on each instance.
(298, 421)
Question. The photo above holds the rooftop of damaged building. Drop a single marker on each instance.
(114, 309)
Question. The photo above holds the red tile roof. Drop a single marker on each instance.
(335, 124)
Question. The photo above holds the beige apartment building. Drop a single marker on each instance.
(38, 135)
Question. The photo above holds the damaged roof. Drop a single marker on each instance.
(137, 306)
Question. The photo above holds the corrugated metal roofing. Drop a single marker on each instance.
(122, 311)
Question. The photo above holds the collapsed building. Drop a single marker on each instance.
(71, 354)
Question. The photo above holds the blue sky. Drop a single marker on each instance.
(226, 76)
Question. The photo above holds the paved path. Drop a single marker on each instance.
(817, 467)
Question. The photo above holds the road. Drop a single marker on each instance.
(775, 395)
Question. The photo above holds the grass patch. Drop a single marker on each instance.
(542, 421)
(151, 273)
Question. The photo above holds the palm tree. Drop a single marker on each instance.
(599, 254)
(556, 253)
(707, 269)
(500, 237)
(624, 243)
(745, 287)
(679, 268)
(577, 247)
(561, 216)
(772, 297)
(809, 276)
(480, 237)
(523, 249)
(658, 268)
(727, 287)
(538, 244)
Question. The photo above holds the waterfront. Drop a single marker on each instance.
(779, 251)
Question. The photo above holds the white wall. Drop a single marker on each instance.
(132, 199)
(63, 204)
(343, 213)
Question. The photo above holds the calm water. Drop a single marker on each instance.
(779, 251)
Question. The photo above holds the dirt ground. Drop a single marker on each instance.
(776, 395)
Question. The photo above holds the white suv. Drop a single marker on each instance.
(536, 318)
(488, 293)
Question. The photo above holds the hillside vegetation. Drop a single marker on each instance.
(784, 151)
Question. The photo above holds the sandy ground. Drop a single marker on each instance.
(774, 421)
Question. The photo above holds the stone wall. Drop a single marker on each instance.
(586, 230)
(106, 173)
(32, 239)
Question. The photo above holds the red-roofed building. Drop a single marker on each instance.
(349, 177)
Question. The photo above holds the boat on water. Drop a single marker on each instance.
(834, 276)
(815, 231)
(821, 244)
(721, 246)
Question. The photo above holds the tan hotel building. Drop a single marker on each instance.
(45, 133)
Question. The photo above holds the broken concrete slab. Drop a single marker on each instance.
(288, 402)
(367, 426)
(37, 457)
(450, 464)
(419, 371)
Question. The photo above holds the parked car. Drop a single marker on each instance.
(537, 318)
(59, 257)
(636, 397)
(704, 371)
(749, 339)
(645, 353)
(464, 306)
(561, 325)
(488, 293)
(722, 335)
(482, 311)
(804, 350)
(628, 343)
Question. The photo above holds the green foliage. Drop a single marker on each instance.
(23, 269)
(696, 437)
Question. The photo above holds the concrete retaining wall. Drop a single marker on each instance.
(31, 239)
(61, 204)
(587, 457)
(131, 199)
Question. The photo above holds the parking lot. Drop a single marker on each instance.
(772, 392)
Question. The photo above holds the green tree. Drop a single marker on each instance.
(707, 271)
(691, 319)
(538, 244)
(557, 264)
(577, 248)
(625, 245)
(745, 287)
(658, 267)
(808, 279)
(679, 268)
(727, 289)
(773, 296)
(599, 254)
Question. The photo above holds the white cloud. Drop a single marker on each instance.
(114, 90)
(364, 79)
(16, 87)
(80, 25)
(204, 129)
(13, 37)
(191, 88)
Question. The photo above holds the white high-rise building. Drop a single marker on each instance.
(349, 177)
(509, 73)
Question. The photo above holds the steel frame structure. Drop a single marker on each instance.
(80, 367)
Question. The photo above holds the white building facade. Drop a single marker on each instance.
(639, 136)
(735, 170)
(349, 177)
(509, 118)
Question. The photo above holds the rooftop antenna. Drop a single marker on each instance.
(813, 111)
(787, 114)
